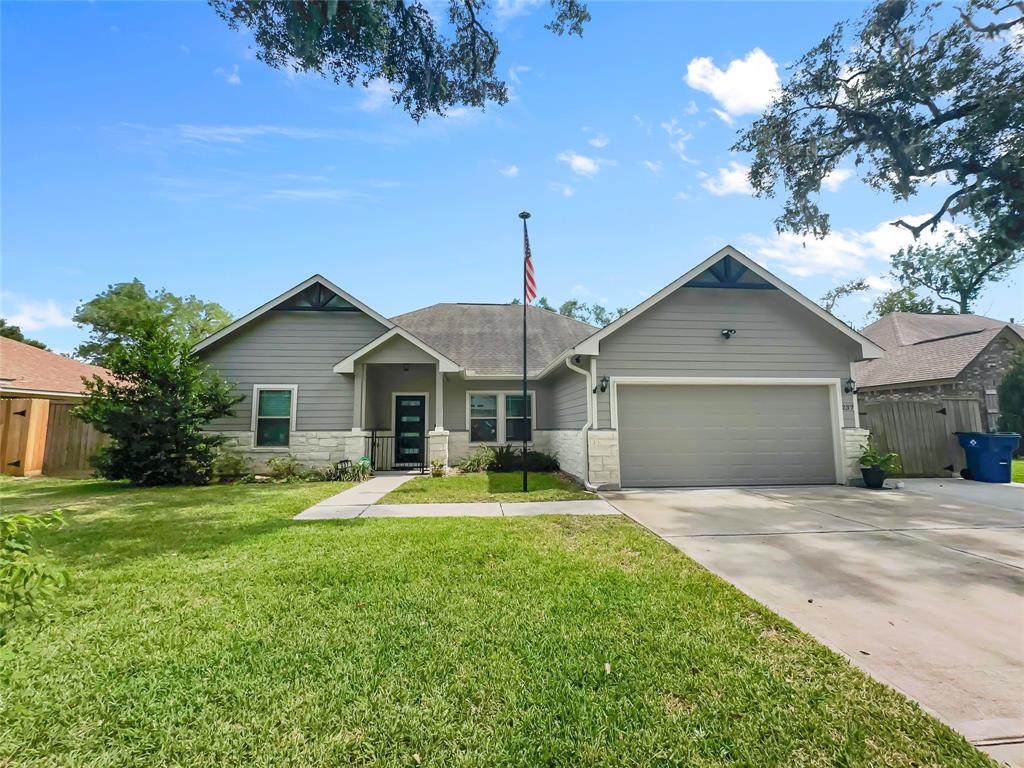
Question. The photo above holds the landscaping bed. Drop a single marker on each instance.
(203, 627)
(504, 487)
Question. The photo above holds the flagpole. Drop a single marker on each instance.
(524, 216)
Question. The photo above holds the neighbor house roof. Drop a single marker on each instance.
(922, 347)
(455, 331)
(28, 370)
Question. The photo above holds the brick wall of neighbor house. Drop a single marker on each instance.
(984, 373)
(603, 451)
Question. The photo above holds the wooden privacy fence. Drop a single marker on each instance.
(921, 432)
(38, 435)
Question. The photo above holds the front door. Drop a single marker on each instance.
(410, 430)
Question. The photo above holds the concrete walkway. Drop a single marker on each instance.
(346, 509)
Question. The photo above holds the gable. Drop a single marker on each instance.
(726, 271)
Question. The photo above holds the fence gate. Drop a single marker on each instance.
(922, 432)
(70, 442)
(22, 436)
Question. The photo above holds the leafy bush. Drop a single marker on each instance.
(506, 459)
(229, 465)
(437, 468)
(27, 579)
(155, 409)
(887, 462)
(479, 461)
(286, 469)
(358, 471)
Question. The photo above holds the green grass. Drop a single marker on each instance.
(1017, 471)
(487, 486)
(204, 627)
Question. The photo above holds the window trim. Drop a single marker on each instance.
(501, 394)
(256, 389)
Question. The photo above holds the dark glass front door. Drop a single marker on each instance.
(410, 429)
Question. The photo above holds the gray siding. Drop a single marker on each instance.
(382, 381)
(562, 403)
(681, 336)
(455, 389)
(294, 348)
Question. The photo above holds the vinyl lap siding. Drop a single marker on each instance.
(681, 336)
(294, 348)
(566, 396)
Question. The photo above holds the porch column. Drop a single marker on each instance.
(438, 399)
(357, 396)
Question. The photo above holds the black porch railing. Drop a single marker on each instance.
(387, 452)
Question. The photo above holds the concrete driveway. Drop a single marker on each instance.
(923, 589)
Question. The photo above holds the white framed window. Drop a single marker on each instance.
(273, 414)
(500, 417)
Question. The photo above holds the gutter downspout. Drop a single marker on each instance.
(590, 420)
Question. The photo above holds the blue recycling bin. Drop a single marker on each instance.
(989, 455)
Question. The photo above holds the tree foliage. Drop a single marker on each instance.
(910, 102)
(955, 270)
(14, 332)
(431, 67)
(842, 291)
(155, 409)
(1011, 398)
(905, 299)
(125, 308)
(28, 577)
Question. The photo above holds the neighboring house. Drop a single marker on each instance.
(725, 376)
(27, 371)
(37, 431)
(936, 357)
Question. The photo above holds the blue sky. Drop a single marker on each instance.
(144, 140)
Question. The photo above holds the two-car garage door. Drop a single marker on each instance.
(678, 435)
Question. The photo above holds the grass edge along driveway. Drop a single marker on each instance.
(205, 628)
(505, 487)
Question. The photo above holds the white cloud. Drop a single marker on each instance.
(599, 141)
(681, 196)
(691, 108)
(376, 94)
(729, 181)
(725, 117)
(582, 165)
(231, 78)
(509, 9)
(642, 124)
(746, 85)
(311, 194)
(843, 252)
(237, 134)
(673, 129)
(654, 166)
(34, 315)
(511, 171)
(563, 189)
(515, 71)
(834, 180)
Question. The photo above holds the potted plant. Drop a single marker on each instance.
(876, 466)
(437, 468)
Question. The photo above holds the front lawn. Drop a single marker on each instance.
(487, 486)
(1017, 471)
(204, 627)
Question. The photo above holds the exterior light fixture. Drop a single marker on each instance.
(728, 333)
(604, 383)
(851, 386)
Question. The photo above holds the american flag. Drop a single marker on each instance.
(530, 284)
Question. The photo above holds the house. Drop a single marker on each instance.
(37, 432)
(938, 357)
(725, 376)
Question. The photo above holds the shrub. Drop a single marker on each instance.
(437, 468)
(358, 471)
(229, 465)
(155, 409)
(27, 579)
(538, 461)
(286, 469)
(887, 462)
(506, 459)
(479, 461)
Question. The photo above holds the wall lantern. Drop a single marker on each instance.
(851, 386)
(728, 333)
(602, 384)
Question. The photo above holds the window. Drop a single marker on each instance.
(273, 415)
(483, 418)
(518, 424)
(500, 417)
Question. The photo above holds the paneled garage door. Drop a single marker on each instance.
(681, 435)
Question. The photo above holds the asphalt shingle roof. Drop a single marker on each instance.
(488, 338)
(24, 367)
(922, 347)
